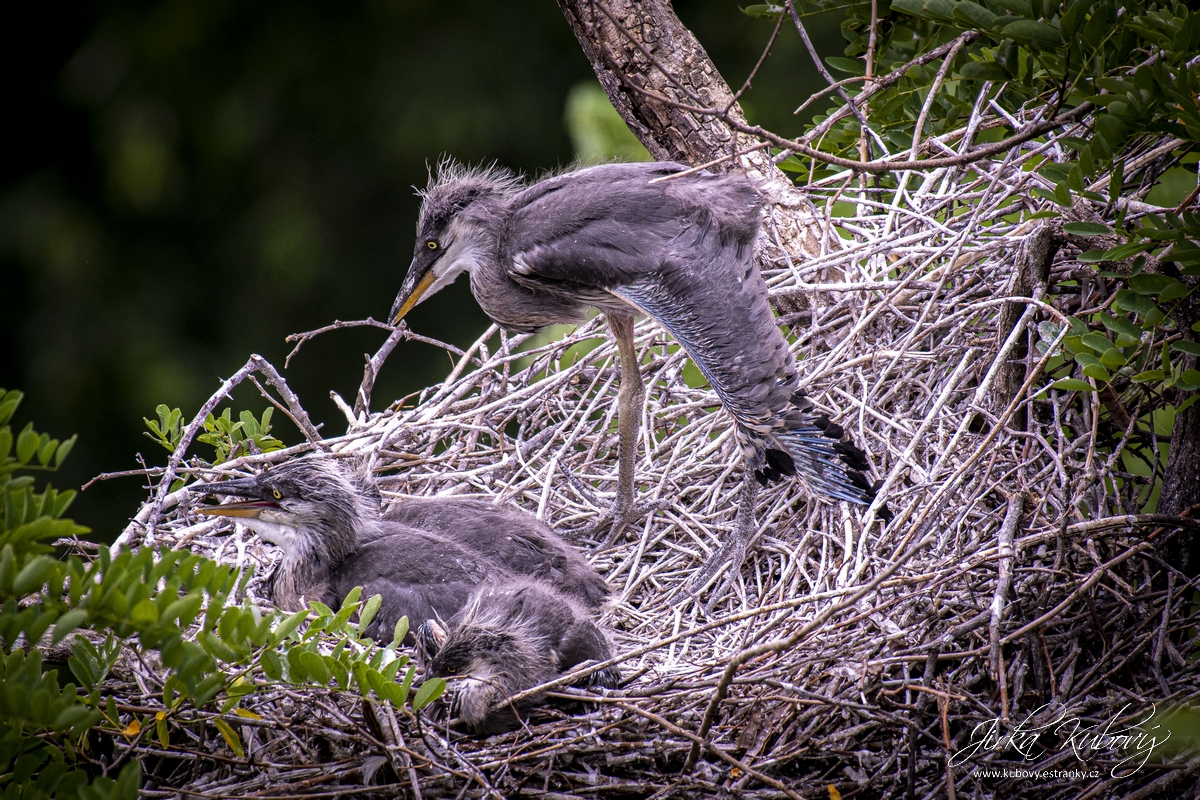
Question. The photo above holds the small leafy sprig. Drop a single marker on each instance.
(230, 439)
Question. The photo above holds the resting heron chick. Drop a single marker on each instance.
(333, 539)
(518, 541)
(510, 637)
(678, 250)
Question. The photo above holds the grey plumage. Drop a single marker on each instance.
(679, 250)
(333, 539)
(519, 542)
(510, 637)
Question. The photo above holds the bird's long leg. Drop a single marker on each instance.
(629, 418)
(734, 549)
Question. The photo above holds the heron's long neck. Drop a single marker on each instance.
(314, 553)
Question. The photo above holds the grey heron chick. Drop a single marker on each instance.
(680, 251)
(424, 559)
(333, 539)
(509, 637)
(515, 539)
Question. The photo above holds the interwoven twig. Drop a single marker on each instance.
(1065, 606)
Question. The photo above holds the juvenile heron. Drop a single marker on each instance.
(518, 541)
(678, 250)
(510, 637)
(333, 539)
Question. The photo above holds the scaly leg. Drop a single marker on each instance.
(734, 550)
(629, 418)
(630, 398)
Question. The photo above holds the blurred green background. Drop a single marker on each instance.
(189, 181)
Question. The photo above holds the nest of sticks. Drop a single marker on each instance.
(1017, 585)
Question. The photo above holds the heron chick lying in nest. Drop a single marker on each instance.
(510, 637)
(334, 538)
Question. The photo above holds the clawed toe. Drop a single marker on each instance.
(621, 520)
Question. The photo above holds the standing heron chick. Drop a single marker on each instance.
(509, 637)
(621, 239)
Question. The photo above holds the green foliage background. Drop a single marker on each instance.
(190, 181)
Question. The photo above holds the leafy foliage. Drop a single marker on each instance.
(1132, 72)
(213, 650)
(230, 439)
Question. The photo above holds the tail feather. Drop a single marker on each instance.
(854, 456)
(834, 468)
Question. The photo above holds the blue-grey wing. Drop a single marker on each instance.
(682, 251)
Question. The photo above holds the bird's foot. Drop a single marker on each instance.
(732, 552)
(617, 519)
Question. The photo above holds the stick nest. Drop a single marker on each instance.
(1018, 582)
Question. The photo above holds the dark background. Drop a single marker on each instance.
(188, 181)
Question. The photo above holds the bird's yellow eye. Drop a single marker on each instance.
(278, 496)
(431, 244)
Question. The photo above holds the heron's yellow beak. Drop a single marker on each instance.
(250, 508)
(413, 298)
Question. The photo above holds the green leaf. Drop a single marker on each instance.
(75, 717)
(939, 9)
(8, 405)
(1035, 33)
(1062, 194)
(46, 450)
(1189, 381)
(27, 443)
(1129, 300)
(288, 626)
(1149, 376)
(1121, 325)
(1087, 229)
(430, 690)
(850, 65)
(1186, 346)
(63, 450)
(162, 730)
(314, 665)
(272, 667)
(1111, 128)
(33, 575)
(1176, 291)
(1124, 251)
(1112, 358)
(1069, 22)
(184, 609)
(144, 613)
(914, 7)
(984, 71)
(368, 612)
(1150, 284)
(1073, 385)
(765, 11)
(974, 14)
(400, 631)
(1096, 341)
(67, 623)
(215, 646)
